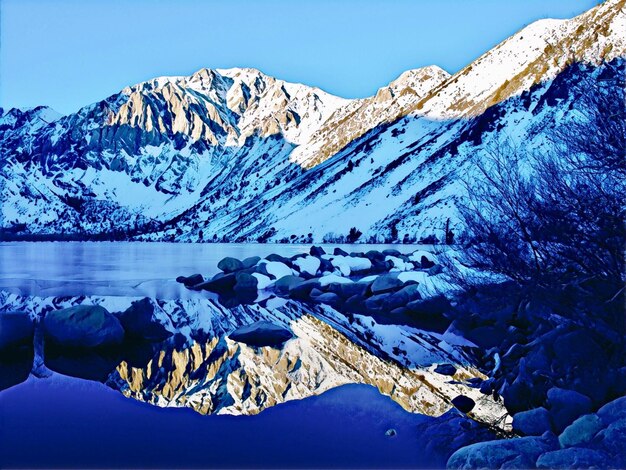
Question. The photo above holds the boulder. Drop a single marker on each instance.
(250, 262)
(16, 328)
(263, 281)
(463, 404)
(329, 298)
(302, 290)
(16, 365)
(350, 265)
(386, 283)
(380, 266)
(278, 259)
(436, 269)
(581, 431)
(487, 336)
(308, 264)
(348, 289)
(339, 252)
(315, 292)
(190, 281)
(220, 284)
(245, 283)
(139, 321)
(519, 395)
(374, 304)
(521, 452)
(374, 255)
(325, 266)
(83, 326)
(578, 348)
(574, 457)
(565, 406)
(278, 269)
(612, 440)
(429, 313)
(262, 333)
(317, 251)
(613, 411)
(230, 265)
(392, 252)
(533, 422)
(333, 278)
(445, 369)
(354, 304)
(401, 297)
(440, 437)
(285, 283)
(90, 364)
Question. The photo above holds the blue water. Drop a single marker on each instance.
(72, 423)
(67, 422)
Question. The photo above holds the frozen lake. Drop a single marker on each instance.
(343, 427)
(128, 268)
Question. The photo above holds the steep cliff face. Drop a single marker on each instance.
(237, 155)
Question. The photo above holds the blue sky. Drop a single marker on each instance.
(70, 53)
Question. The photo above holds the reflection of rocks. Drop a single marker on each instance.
(83, 326)
(463, 404)
(17, 331)
(225, 376)
(82, 363)
(15, 365)
(139, 321)
(262, 333)
(16, 328)
(204, 368)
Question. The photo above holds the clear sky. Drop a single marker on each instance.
(70, 53)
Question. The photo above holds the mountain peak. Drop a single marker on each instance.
(535, 54)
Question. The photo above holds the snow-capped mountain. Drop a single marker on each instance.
(237, 155)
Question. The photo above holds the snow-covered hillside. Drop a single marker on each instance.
(237, 155)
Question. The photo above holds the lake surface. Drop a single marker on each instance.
(128, 268)
(71, 423)
(60, 421)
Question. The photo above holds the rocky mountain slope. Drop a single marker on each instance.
(237, 155)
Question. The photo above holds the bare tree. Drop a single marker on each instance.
(556, 218)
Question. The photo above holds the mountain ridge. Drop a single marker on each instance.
(233, 154)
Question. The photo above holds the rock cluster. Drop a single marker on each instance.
(382, 284)
(593, 440)
(552, 371)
